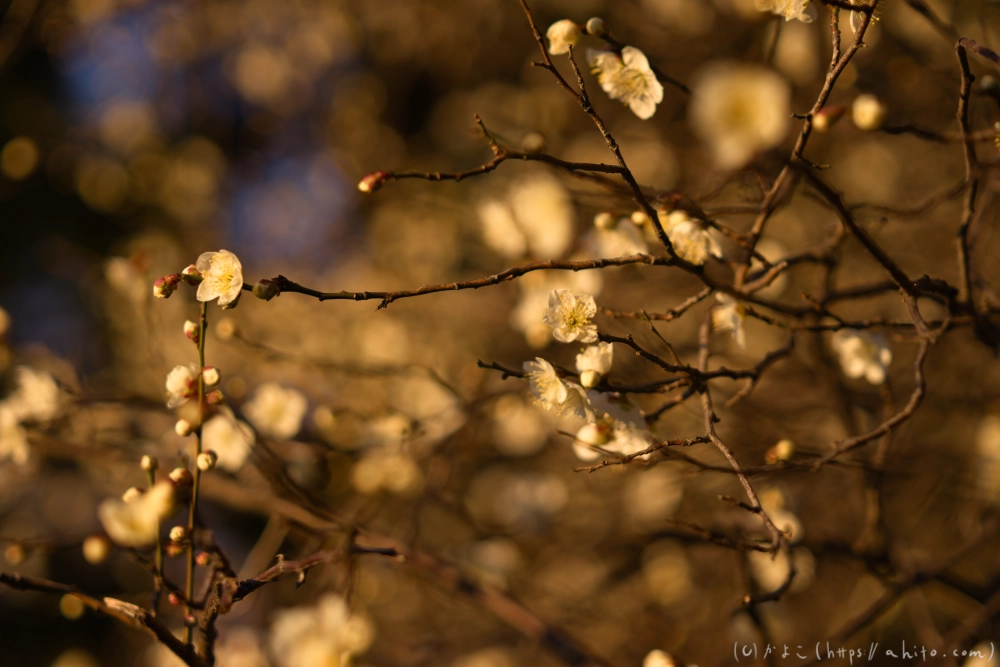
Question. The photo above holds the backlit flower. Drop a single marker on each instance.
(223, 277)
(36, 397)
(730, 315)
(137, 523)
(862, 354)
(739, 110)
(553, 393)
(182, 384)
(692, 242)
(594, 363)
(621, 239)
(276, 411)
(562, 35)
(526, 316)
(230, 439)
(327, 634)
(628, 79)
(569, 316)
(536, 216)
(790, 9)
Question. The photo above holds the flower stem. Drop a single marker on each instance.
(157, 555)
(189, 583)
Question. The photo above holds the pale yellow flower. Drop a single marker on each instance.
(537, 216)
(562, 35)
(230, 439)
(790, 9)
(628, 79)
(326, 634)
(181, 385)
(570, 316)
(730, 315)
(276, 411)
(692, 242)
(222, 276)
(137, 523)
(594, 363)
(862, 354)
(553, 393)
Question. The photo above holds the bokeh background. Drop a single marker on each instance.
(136, 135)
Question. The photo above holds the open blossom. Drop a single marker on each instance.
(562, 35)
(730, 315)
(222, 276)
(553, 393)
(862, 354)
(692, 242)
(230, 439)
(536, 286)
(276, 411)
(594, 363)
(182, 384)
(628, 79)
(790, 9)
(739, 110)
(326, 634)
(569, 316)
(136, 523)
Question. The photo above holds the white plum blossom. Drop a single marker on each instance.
(594, 363)
(553, 393)
(730, 315)
(562, 35)
(621, 239)
(570, 316)
(589, 438)
(628, 79)
(230, 439)
(692, 242)
(627, 439)
(536, 217)
(136, 523)
(36, 397)
(276, 411)
(326, 634)
(222, 277)
(790, 9)
(182, 384)
(13, 439)
(526, 316)
(862, 354)
(739, 110)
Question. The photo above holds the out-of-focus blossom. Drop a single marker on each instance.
(570, 316)
(519, 429)
(770, 572)
(553, 393)
(526, 316)
(536, 216)
(594, 363)
(692, 242)
(628, 79)
(588, 438)
(652, 496)
(275, 411)
(790, 9)
(395, 472)
(562, 35)
(326, 634)
(620, 239)
(667, 573)
(730, 315)
(868, 112)
(36, 397)
(781, 451)
(862, 354)
(222, 276)
(182, 384)
(13, 439)
(230, 439)
(739, 110)
(658, 658)
(627, 439)
(96, 549)
(136, 523)
(988, 462)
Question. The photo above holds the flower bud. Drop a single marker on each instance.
(605, 221)
(593, 434)
(232, 304)
(192, 331)
(132, 494)
(190, 621)
(203, 558)
(206, 460)
(165, 286)
(183, 428)
(173, 550)
(149, 463)
(640, 218)
(373, 181)
(215, 397)
(96, 549)
(191, 275)
(825, 118)
(178, 534)
(562, 35)
(597, 26)
(590, 379)
(181, 477)
(266, 289)
(782, 451)
(989, 85)
(211, 375)
(868, 112)
(533, 142)
(174, 599)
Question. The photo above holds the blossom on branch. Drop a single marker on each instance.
(562, 35)
(223, 277)
(802, 10)
(276, 411)
(739, 110)
(182, 384)
(692, 242)
(627, 78)
(730, 315)
(594, 363)
(569, 316)
(553, 393)
(862, 354)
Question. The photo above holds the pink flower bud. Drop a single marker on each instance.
(373, 181)
(191, 275)
(266, 289)
(174, 599)
(215, 397)
(165, 286)
(192, 331)
(203, 558)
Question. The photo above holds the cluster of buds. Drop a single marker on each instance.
(165, 286)
(373, 181)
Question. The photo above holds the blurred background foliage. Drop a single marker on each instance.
(137, 134)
